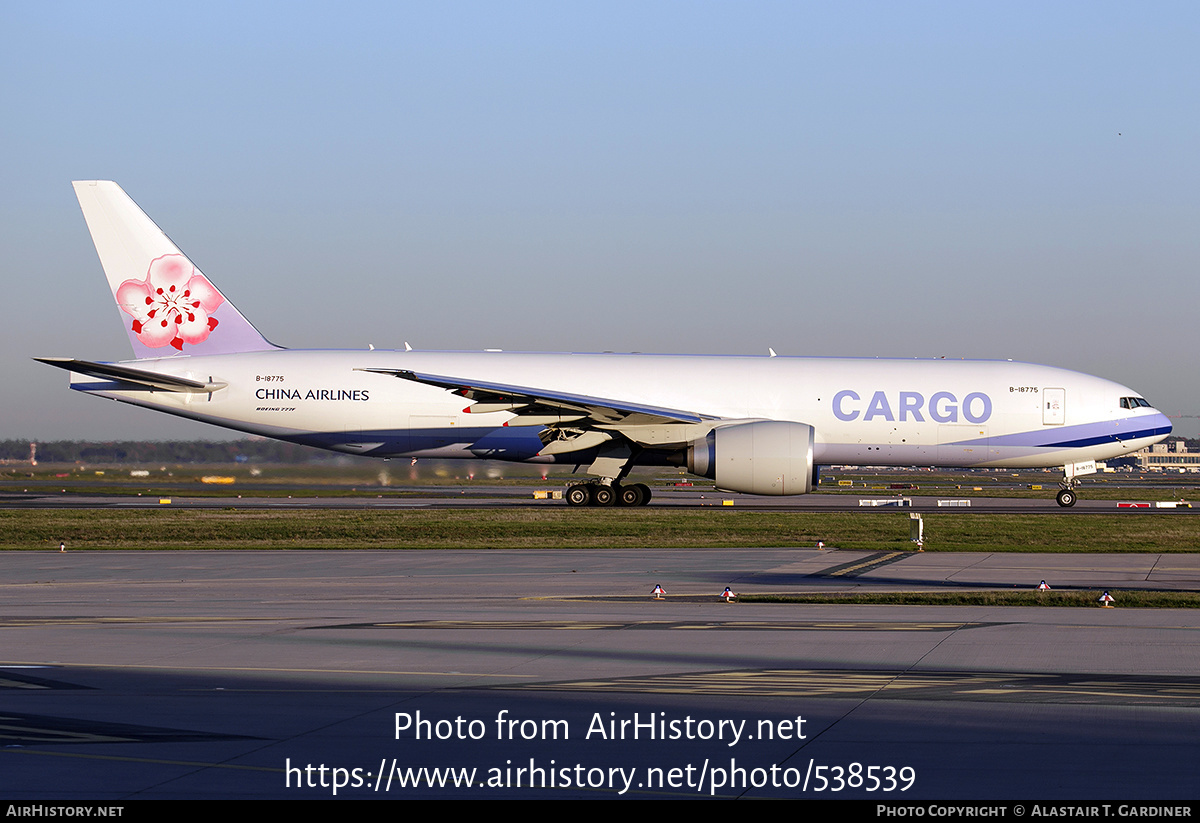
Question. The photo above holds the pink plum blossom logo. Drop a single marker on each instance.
(173, 305)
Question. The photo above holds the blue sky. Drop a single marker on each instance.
(1015, 180)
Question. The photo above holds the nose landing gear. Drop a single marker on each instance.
(1067, 495)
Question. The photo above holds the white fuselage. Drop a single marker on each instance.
(863, 410)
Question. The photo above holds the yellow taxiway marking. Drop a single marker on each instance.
(867, 564)
(28, 622)
(897, 685)
(716, 625)
(62, 666)
(494, 624)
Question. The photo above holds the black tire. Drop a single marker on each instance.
(579, 495)
(1066, 498)
(631, 495)
(646, 495)
(603, 495)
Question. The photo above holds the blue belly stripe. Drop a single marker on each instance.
(1108, 438)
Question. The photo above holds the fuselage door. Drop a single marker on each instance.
(1054, 407)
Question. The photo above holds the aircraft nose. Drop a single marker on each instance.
(1160, 423)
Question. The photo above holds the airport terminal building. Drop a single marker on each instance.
(1169, 456)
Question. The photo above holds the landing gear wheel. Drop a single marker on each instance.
(1066, 498)
(578, 495)
(634, 495)
(603, 496)
(645, 493)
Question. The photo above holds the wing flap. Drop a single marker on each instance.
(523, 400)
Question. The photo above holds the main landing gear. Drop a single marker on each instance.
(599, 494)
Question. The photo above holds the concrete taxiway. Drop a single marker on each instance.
(287, 674)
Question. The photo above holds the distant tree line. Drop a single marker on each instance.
(183, 451)
(190, 451)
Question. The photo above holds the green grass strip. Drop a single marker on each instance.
(557, 527)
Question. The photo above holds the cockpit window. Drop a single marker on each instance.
(1135, 402)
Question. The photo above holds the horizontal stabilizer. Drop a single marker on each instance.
(125, 374)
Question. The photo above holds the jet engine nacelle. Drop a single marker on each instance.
(765, 457)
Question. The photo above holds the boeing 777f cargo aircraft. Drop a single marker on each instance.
(760, 425)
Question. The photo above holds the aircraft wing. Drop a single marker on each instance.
(126, 374)
(545, 407)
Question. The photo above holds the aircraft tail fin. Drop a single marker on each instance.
(169, 306)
